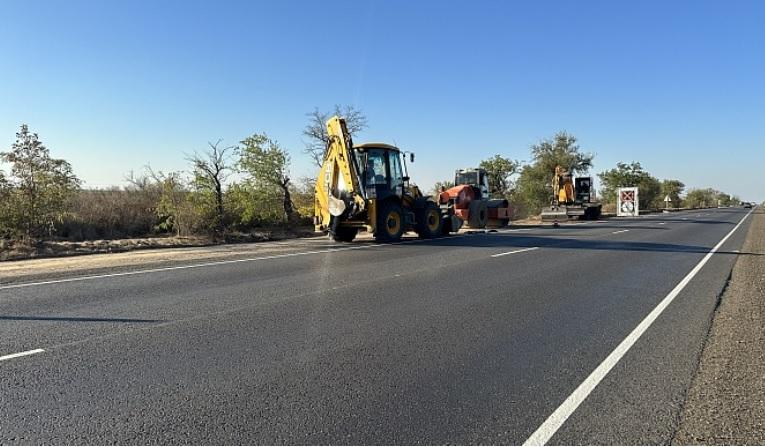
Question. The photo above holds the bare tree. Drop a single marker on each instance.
(316, 129)
(210, 170)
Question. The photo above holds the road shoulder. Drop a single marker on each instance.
(726, 401)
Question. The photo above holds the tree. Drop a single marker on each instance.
(627, 175)
(499, 170)
(175, 212)
(39, 186)
(6, 225)
(210, 171)
(268, 165)
(674, 189)
(561, 150)
(316, 129)
(533, 189)
(303, 194)
(445, 184)
(701, 198)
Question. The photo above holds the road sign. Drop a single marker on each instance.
(627, 202)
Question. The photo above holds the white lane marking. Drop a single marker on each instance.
(21, 354)
(620, 231)
(550, 426)
(211, 264)
(514, 251)
(179, 267)
(515, 230)
(662, 223)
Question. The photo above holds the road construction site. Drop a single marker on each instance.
(590, 333)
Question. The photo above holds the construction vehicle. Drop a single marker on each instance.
(572, 198)
(469, 200)
(366, 187)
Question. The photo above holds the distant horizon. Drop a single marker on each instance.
(112, 87)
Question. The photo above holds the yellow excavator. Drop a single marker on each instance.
(366, 187)
(571, 198)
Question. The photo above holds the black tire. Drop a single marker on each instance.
(498, 223)
(447, 225)
(344, 234)
(478, 214)
(592, 213)
(390, 222)
(429, 224)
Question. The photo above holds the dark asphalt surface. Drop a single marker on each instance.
(429, 342)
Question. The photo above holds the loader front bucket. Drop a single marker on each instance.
(554, 214)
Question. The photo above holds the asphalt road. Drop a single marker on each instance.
(470, 339)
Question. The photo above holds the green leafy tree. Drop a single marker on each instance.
(500, 170)
(316, 129)
(6, 224)
(250, 206)
(175, 209)
(628, 175)
(561, 150)
(725, 199)
(533, 189)
(674, 189)
(39, 187)
(438, 186)
(303, 195)
(701, 198)
(267, 165)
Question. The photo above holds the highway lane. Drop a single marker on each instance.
(423, 342)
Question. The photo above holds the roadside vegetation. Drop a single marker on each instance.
(229, 192)
(528, 186)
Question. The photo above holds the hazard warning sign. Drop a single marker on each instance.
(627, 202)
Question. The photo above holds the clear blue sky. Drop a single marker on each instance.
(112, 86)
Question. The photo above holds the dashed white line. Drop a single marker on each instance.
(620, 231)
(553, 423)
(514, 251)
(515, 230)
(21, 354)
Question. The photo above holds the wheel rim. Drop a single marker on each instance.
(433, 219)
(393, 223)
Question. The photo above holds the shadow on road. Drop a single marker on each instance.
(505, 241)
(77, 319)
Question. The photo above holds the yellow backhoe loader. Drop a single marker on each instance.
(366, 187)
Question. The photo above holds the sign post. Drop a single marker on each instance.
(627, 202)
(667, 202)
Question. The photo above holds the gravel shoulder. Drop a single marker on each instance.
(725, 404)
(54, 268)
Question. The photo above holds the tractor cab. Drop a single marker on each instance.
(477, 178)
(382, 172)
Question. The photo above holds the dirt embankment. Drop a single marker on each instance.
(11, 251)
(726, 401)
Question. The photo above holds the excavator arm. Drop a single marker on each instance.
(339, 191)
